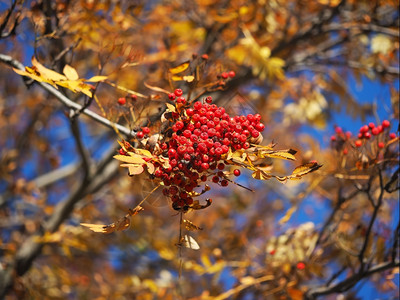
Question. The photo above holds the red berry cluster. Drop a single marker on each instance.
(366, 132)
(199, 137)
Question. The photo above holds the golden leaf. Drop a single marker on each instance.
(288, 215)
(305, 169)
(179, 68)
(188, 78)
(70, 72)
(170, 107)
(97, 79)
(132, 159)
(177, 78)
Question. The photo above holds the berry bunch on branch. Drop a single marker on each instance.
(200, 143)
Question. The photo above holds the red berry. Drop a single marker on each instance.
(381, 145)
(121, 101)
(301, 266)
(224, 75)
(122, 151)
(358, 143)
(371, 125)
(260, 127)
(392, 135)
(367, 135)
(224, 182)
(178, 92)
(204, 56)
(375, 131)
(209, 99)
(215, 179)
(364, 129)
(338, 130)
(236, 172)
(205, 166)
(146, 130)
(171, 96)
(231, 74)
(139, 135)
(385, 123)
(333, 138)
(345, 151)
(171, 153)
(203, 177)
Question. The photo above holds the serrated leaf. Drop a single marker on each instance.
(283, 154)
(261, 175)
(180, 68)
(70, 72)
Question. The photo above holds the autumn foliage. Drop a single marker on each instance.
(199, 149)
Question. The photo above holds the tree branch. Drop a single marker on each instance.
(67, 102)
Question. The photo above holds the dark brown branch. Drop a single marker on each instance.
(351, 281)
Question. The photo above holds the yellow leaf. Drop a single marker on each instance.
(143, 152)
(47, 73)
(288, 215)
(206, 261)
(179, 68)
(177, 78)
(188, 78)
(96, 78)
(226, 18)
(283, 154)
(132, 159)
(70, 72)
(305, 169)
(261, 175)
(170, 107)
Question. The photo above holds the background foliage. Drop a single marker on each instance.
(305, 66)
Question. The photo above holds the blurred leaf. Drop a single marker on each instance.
(179, 68)
(190, 242)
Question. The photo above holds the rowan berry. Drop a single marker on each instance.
(139, 134)
(301, 266)
(209, 100)
(224, 75)
(122, 152)
(236, 172)
(392, 135)
(171, 96)
(381, 145)
(215, 179)
(121, 101)
(146, 130)
(358, 143)
(178, 92)
(224, 182)
(385, 123)
(231, 74)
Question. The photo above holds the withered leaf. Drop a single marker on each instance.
(190, 242)
(190, 226)
(131, 159)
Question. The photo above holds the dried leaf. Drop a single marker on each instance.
(190, 242)
(156, 88)
(97, 79)
(133, 169)
(190, 226)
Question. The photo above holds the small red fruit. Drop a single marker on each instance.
(381, 145)
(146, 130)
(231, 74)
(236, 172)
(139, 135)
(333, 138)
(385, 123)
(204, 56)
(224, 75)
(171, 96)
(392, 135)
(301, 266)
(358, 143)
(121, 101)
(122, 151)
(178, 92)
